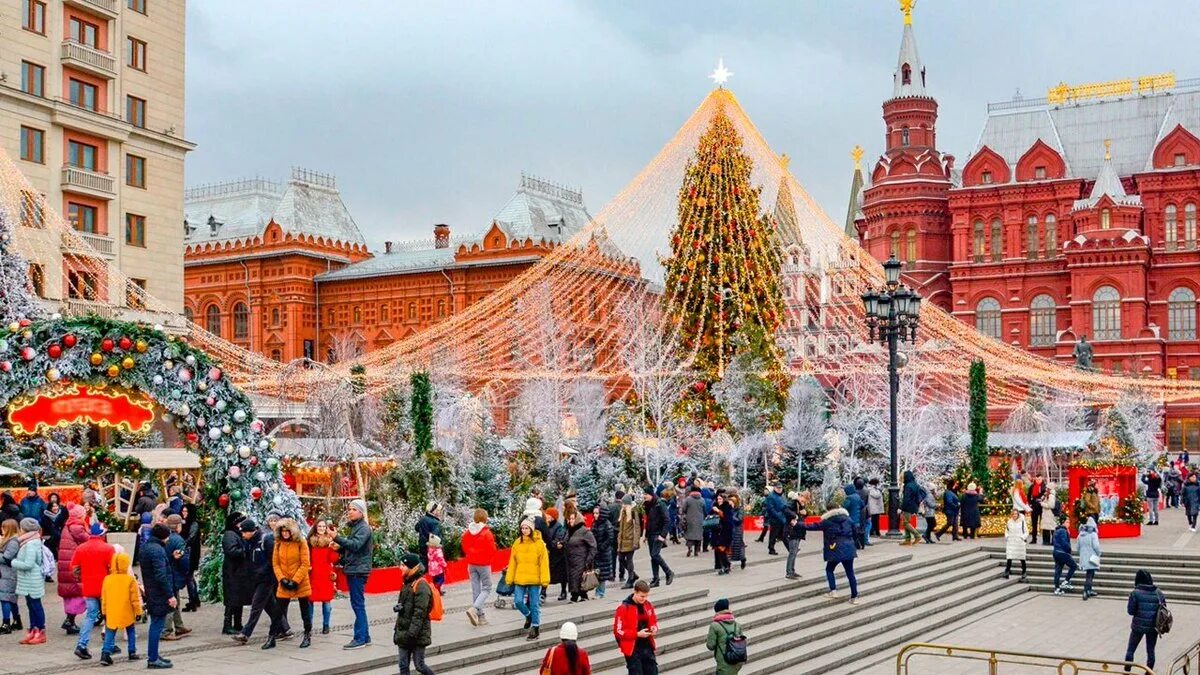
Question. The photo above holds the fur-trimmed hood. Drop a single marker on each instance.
(287, 524)
(835, 512)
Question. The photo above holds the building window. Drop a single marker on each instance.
(33, 145)
(987, 317)
(212, 320)
(910, 254)
(135, 111)
(274, 316)
(82, 285)
(138, 6)
(1039, 172)
(332, 318)
(1181, 314)
(37, 280)
(135, 171)
(1183, 435)
(412, 311)
(896, 253)
(1105, 219)
(33, 79)
(978, 245)
(997, 241)
(241, 321)
(1051, 236)
(82, 155)
(85, 32)
(1032, 245)
(82, 217)
(33, 16)
(277, 355)
(1106, 313)
(357, 315)
(1171, 226)
(1180, 159)
(135, 230)
(135, 54)
(32, 214)
(82, 94)
(441, 311)
(135, 294)
(384, 314)
(986, 177)
(904, 136)
(1043, 326)
(1189, 225)
(905, 74)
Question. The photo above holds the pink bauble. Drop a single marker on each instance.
(185, 375)
(235, 472)
(214, 374)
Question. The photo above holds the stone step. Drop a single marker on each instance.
(824, 617)
(1165, 557)
(596, 637)
(1188, 595)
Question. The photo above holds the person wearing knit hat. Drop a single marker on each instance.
(354, 550)
(435, 561)
(721, 631)
(627, 500)
(30, 582)
(159, 589)
(533, 507)
(428, 526)
(179, 558)
(566, 656)
(556, 542)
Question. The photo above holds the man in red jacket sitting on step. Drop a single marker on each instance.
(635, 625)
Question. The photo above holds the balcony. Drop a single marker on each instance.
(88, 243)
(88, 182)
(106, 8)
(89, 59)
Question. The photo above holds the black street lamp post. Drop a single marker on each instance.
(892, 313)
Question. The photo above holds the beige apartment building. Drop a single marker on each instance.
(91, 110)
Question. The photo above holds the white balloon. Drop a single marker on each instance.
(158, 380)
(260, 476)
(239, 416)
(214, 433)
(228, 449)
(191, 360)
(244, 452)
(263, 444)
(221, 405)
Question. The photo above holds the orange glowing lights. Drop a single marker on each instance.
(70, 404)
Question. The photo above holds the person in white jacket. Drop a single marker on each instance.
(1049, 503)
(1016, 534)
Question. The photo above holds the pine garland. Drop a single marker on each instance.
(422, 413)
(978, 425)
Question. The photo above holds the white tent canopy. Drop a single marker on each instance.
(159, 459)
(1042, 440)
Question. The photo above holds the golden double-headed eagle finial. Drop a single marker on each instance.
(906, 6)
(857, 154)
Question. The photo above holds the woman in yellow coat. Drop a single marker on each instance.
(529, 572)
(121, 605)
(292, 565)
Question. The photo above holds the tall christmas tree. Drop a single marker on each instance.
(977, 423)
(723, 275)
(16, 294)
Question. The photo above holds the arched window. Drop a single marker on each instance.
(277, 355)
(1189, 225)
(997, 241)
(1171, 226)
(1051, 235)
(357, 313)
(1032, 244)
(978, 246)
(1043, 327)
(987, 317)
(904, 136)
(905, 74)
(332, 317)
(241, 321)
(212, 319)
(896, 245)
(441, 309)
(1181, 314)
(274, 316)
(383, 313)
(189, 314)
(1105, 219)
(911, 245)
(1106, 313)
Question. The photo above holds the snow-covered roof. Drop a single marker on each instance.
(308, 204)
(394, 263)
(1054, 440)
(162, 458)
(323, 448)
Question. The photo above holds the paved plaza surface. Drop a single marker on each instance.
(1033, 622)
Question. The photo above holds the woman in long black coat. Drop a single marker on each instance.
(722, 536)
(969, 510)
(191, 535)
(236, 579)
(604, 532)
(581, 555)
(556, 542)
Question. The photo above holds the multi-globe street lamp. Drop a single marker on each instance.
(892, 313)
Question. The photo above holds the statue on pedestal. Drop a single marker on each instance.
(1082, 354)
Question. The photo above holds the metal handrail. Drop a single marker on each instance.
(1063, 665)
(1187, 663)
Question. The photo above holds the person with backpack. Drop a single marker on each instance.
(566, 657)
(414, 615)
(725, 640)
(1148, 607)
(31, 579)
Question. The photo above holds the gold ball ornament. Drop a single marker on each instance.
(715, 169)
(14, 327)
(127, 363)
(113, 370)
(96, 359)
(52, 375)
(27, 334)
(141, 346)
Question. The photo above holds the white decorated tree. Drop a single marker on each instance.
(803, 436)
(1143, 422)
(16, 294)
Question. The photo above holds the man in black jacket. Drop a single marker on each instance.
(355, 551)
(259, 550)
(910, 502)
(160, 591)
(1143, 607)
(657, 529)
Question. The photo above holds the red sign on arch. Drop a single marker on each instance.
(72, 403)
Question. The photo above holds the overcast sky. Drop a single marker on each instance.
(428, 111)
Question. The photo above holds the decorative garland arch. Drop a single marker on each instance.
(216, 419)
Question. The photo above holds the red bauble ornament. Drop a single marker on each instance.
(24, 323)
(106, 345)
(28, 354)
(125, 343)
(6, 366)
(54, 351)
(69, 340)
(223, 501)
(699, 387)
(256, 493)
(192, 438)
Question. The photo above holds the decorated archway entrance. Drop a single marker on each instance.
(57, 372)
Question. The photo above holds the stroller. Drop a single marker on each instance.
(504, 591)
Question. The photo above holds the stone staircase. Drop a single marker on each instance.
(1174, 573)
(792, 627)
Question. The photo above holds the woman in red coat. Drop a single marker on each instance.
(74, 533)
(323, 558)
(566, 657)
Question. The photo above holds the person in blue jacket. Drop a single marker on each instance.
(1061, 539)
(774, 512)
(853, 506)
(837, 548)
(709, 495)
(950, 507)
